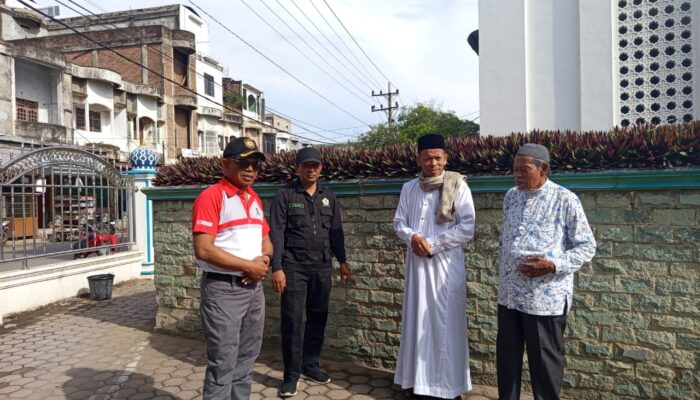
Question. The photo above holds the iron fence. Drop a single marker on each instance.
(62, 203)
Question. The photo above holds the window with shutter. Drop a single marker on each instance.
(27, 110)
(95, 121)
(79, 118)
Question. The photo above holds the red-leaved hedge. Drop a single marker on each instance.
(640, 147)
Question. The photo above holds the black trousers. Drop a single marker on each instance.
(544, 336)
(308, 291)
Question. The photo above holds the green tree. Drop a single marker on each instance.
(416, 121)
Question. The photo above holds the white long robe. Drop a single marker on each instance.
(434, 354)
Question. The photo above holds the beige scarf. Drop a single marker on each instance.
(447, 183)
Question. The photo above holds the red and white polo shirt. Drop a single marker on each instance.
(234, 217)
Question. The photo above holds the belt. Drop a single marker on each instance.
(238, 280)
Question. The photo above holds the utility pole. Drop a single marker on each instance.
(390, 107)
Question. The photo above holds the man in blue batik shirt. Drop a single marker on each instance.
(545, 239)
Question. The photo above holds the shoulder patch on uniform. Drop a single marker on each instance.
(296, 205)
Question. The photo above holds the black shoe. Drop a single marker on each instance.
(317, 375)
(289, 388)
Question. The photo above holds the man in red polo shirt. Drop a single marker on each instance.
(233, 249)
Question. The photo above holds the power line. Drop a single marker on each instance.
(150, 70)
(307, 57)
(176, 61)
(319, 42)
(198, 73)
(277, 65)
(330, 42)
(345, 44)
(339, 129)
(298, 121)
(353, 39)
(95, 5)
(468, 114)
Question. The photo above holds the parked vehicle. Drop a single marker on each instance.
(91, 237)
(5, 233)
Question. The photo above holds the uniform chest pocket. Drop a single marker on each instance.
(326, 214)
(296, 217)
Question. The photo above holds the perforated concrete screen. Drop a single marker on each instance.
(656, 61)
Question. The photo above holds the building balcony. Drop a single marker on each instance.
(250, 124)
(43, 132)
(183, 98)
(46, 57)
(232, 118)
(186, 102)
(97, 74)
(147, 90)
(214, 112)
(184, 41)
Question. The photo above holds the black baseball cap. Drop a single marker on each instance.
(242, 148)
(308, 154)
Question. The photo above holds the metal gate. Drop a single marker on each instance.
(62, 203)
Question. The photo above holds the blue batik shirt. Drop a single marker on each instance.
(549, 222)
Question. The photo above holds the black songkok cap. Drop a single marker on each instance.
(536, 151)
(431, 141)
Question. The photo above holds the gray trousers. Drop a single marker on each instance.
(233, 317)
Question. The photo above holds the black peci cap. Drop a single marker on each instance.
(242, 148)
(431, 141)
(308, 154)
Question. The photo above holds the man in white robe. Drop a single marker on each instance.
(435, 218)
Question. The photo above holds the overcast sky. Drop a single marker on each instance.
(420, 45)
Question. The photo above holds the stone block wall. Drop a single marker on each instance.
(633, 328)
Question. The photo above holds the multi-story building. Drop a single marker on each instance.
(213, 124)
(159, 108)
(35, 97)
(247, 103)
(172, 98)
(276, 133)
(587, 64)
(52, 101)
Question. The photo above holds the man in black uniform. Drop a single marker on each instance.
(306, 231)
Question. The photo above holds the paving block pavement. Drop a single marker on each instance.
(84, 349)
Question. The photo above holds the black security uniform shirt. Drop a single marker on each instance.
(306, 231)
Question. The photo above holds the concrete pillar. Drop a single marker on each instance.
(143, 212)
(600, 86)
(137, 131)
(552, 64)
(87, 120)
(547, 64)
(502, 89)
(111, 123)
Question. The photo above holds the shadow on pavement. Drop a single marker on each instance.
(136, 310)
(347, 377)
(87, 383)
(190, 351)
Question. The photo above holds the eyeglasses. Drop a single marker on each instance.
(245, 163)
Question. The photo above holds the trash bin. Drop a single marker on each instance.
(101, 286)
